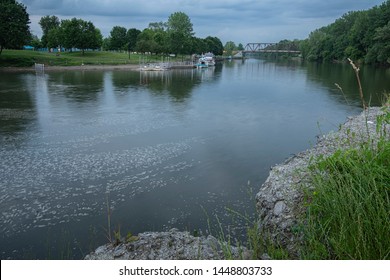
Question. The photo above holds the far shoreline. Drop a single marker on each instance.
(130, 67)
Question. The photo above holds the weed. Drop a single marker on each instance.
(117, 236)
(348, 213)
(131, 238)
(357, 69)
(348, 204)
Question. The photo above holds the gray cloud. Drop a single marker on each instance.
(236, 20)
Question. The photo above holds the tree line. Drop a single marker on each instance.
(359, 35)
(175, 36)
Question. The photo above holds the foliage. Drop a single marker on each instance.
(358, 35)
(14, 21)
(54, 38)
(131, 36)
(214, 45)
(35, 42)
(174, 36)
(81, 34)
(229, 47)
(179, 22)
(118, 38)
(348, 213)
(180, 32)
(49, 23)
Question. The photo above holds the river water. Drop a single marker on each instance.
(154, 150)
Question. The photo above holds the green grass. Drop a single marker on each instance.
(348, 210)
(23, 58)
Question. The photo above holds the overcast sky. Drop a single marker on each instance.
(240, 21)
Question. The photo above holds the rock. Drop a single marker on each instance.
(279, 208)
(279, 201)
(171, 245)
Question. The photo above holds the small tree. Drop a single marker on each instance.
(14, 21)
(35, 42)
(230, 46)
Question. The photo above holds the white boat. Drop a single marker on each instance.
(206, 60)
(210, 58)
(202, 63)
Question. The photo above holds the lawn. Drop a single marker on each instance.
(24, 58)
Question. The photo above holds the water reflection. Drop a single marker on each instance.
(179, 84)
(375, 81)
(77, 86)
(17, 107)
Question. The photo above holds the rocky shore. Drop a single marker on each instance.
(278, 202)
(171, 245)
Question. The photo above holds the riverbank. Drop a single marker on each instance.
(130, 67)
(279, 202)
(282, 200)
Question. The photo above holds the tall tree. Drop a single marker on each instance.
(14, 25)
(131, 37)
(80, 34)
(180, 32)
(47, 24)
(118, 38)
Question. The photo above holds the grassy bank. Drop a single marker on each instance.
(23, 58)
(348, 206)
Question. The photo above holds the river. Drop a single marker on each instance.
(154, 150)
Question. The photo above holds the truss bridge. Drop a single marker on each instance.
(255, 48)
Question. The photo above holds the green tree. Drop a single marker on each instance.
(380, 51)
(14, 25)
(131, 38)
(106, 44)
(229, 47)
(360, 35)
(47, 24)
(118, 38)
(180, 32)
(35, 42)
(214, 45)
(198, 45)
(77, 33)
(54, 38)
(145, 42)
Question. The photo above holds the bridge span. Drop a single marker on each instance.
(254, 48)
